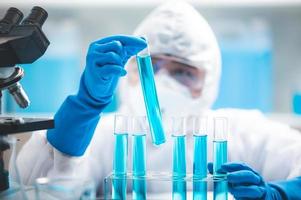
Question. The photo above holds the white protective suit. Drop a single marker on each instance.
(271, 148)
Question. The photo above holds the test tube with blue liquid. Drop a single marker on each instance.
(297, 103)
(153, 112)
(179, 158)
(121, 124)
(220, 157)
(199, 128)
(139, 130)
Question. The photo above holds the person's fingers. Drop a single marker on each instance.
(113, 46)
(210, 169)
(243, 176)
(132, 44)
(108, 71)
(126, 40)
(235, 166)
(252, 192)
(133, 50)
(101, 59)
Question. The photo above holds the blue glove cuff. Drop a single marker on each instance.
(288, 189)
(75, 123)
(273, 192)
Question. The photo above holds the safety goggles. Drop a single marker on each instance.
(189, 76)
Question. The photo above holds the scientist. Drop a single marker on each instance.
(187, 67)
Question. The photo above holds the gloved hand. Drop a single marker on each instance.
(78, 116)
(105, 64)
(245, 183)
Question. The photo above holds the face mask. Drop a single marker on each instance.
(175, 99)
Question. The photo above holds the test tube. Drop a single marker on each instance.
(199, 130)
(153, 112)
(139, 131)
(220, 157)
(179, 158)
(120, 157)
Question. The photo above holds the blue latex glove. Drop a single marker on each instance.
(78, 116)
(291, 189)
(245, 183)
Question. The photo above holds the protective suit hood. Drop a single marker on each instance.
(177, 29)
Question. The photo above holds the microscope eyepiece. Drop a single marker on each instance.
(37, 16)
(20, 42)
(13, 16)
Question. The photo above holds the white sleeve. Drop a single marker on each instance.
(283, 151)
(38, 158)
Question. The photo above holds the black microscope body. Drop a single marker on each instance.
(21, 42)
(25, 42)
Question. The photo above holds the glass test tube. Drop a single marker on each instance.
(179, 158)
(199, 128)
(120, 157)
(220, 157)
(138, 131)
(146, 74)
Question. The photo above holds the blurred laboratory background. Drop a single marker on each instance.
(260, 42)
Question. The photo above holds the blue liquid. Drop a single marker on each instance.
(200, 167)
(179, 168)
(200, 156)
(120, 166)
(150, 99)
(297, 103)
(139, 167)
(119, 188)
(219, 158)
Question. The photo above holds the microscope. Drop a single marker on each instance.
(21, 42)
